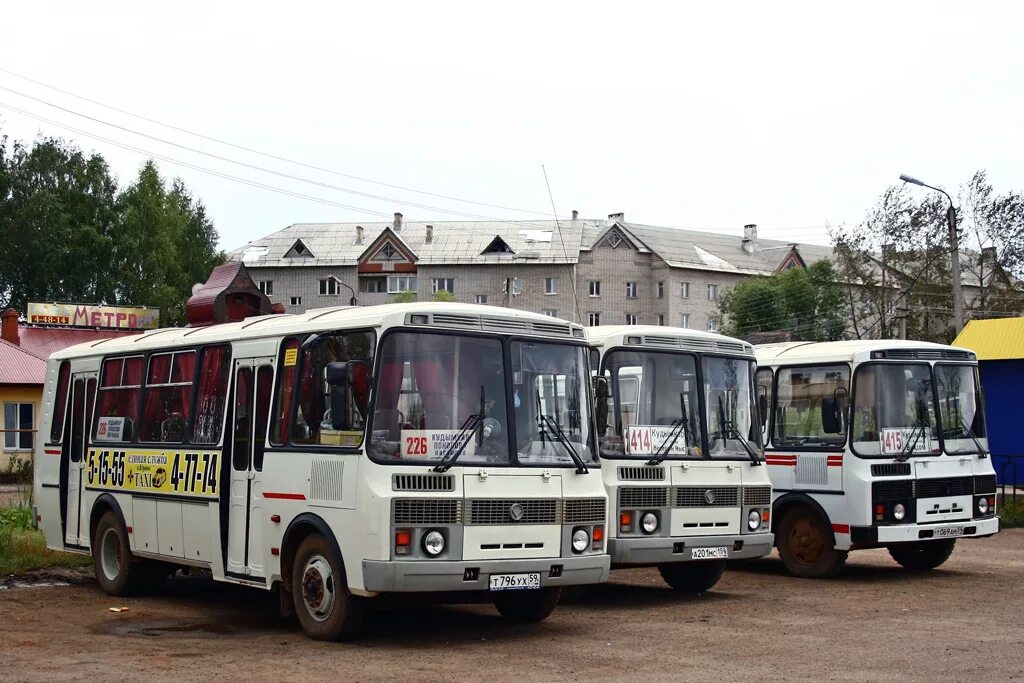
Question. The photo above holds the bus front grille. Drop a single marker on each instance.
(643, 497)
(985, 483)
(643, 473)
(757, 496)
(496, 511)
(417, 511)
(707, 496)
(945, 486)
(583, 511)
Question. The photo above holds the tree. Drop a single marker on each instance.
(444, 295)
(403, 298)
(805, 303)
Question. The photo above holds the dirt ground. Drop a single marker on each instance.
(962, 622)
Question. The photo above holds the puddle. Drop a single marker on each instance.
(165, 628)
(32, 584)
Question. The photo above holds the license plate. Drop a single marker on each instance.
(948, 531)
(515, 582)
(720, 553)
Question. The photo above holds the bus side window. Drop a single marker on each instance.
(288, 364)
(168, 397)
(120, 388)
(211, 396)
(764, 400)
(313, 421)
(60, 402)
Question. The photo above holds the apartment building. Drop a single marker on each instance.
(606, 271)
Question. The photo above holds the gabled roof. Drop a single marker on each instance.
(995, 339)
(18, 366)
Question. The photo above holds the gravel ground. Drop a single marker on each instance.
(962, 622)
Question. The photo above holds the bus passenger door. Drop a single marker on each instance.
(83, 387)
(253, 386)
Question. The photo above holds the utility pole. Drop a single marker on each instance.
(954, 254)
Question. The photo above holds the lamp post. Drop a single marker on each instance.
(352, 301)
(954, 253)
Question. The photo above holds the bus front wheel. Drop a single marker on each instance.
(529, 606)
(807, 547)
(692, 577)
(323, 604)
(922, 555)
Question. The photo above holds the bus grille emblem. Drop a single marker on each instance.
(516, 512)
(709, 497)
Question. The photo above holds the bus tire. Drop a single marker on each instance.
(527, 607)
(118, 572)
(692, 577)
(921, 556)
(323, 604)
(807, 546)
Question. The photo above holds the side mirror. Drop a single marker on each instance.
(831, 420)
(762, 410)
(595, 360)
(601, 404)
(349, 381)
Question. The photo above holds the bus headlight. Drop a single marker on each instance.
(649, 522)
(433, 543)
(580, 540)
(753, 520)
(983, 506)
(899, 512)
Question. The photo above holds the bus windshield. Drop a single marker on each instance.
(729, 399)
(894, 410)
(653, 406)
(432, 386)
(959, 409)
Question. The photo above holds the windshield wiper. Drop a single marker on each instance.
(551, 424)
(458, 446)
(678, 427)
(916, 435)
(982, 453)
(728, 428)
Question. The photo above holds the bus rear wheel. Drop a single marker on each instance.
(527, 607)
(692, 577)
(117, 571)
(922, 555)
(323, 604)
(806, 546)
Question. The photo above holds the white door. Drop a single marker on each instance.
(83, 388)
(254, 381)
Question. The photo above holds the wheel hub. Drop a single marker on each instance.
(807, 541)
(318, 593)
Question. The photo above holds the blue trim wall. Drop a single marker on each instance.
(1003, 381)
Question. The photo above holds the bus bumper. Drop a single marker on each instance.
(662, 550)
(870, 535)
(427, 576)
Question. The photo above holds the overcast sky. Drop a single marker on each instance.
(694, 115)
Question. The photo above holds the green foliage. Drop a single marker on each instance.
(69, 235)
(25, 550)
(806, 303)
(16, 517)
(444, 295)
(1011, 513)
(403, 298)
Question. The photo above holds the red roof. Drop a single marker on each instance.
(42, 341)
(18, 366)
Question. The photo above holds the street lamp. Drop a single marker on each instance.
(954, 253)
(352, 301)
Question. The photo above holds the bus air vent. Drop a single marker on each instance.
(554, 329)
(641, 474)
(757, 496)
(927, 354)
(643, 497)
(706, 496)
(412, 511)
(494, 324)
(732, 347)
(811, 469)
(583, 511)
(422, 482)
(325, 479)
(895, 469)
(469, 322)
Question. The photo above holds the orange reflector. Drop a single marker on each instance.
(598, 533)
(128, 529)
(626, 518)
(991, 502)
(879, 509)
(766, 515)
(275, 551)
(403, 538)
(275, 518)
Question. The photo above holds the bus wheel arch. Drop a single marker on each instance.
(804, 537)
(103, 503)
(298, 529)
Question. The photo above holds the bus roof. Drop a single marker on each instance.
(662, 337)
(440, 315)
(855, 350)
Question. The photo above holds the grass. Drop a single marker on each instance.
(1011, 514)
(23, 548)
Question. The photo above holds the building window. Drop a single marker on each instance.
(684, 320)
(267, 287)
(684, 290)
(329, 287)
(631, 318)
(550, 312)
(389, 251)
(446, 284)
(661, 319)
(296, 301)
(19, 416)
(631, 288)
(712, 324)
(401, 283)
(661, 290)
(373, 285)
(481, 298)
(593, 319)
(595, 288)
(712, 292)
(551, 285)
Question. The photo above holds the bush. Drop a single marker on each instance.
(1011, 513)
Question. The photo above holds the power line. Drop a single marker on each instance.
(264, 154)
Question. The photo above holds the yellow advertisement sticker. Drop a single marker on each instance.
(291, 356)
(173, 473)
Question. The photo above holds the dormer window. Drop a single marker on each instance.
(498, 246)
(299, 250)
(389, 251)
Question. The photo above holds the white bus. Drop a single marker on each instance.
(874, 444)
(680, 451)
(337, 454)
